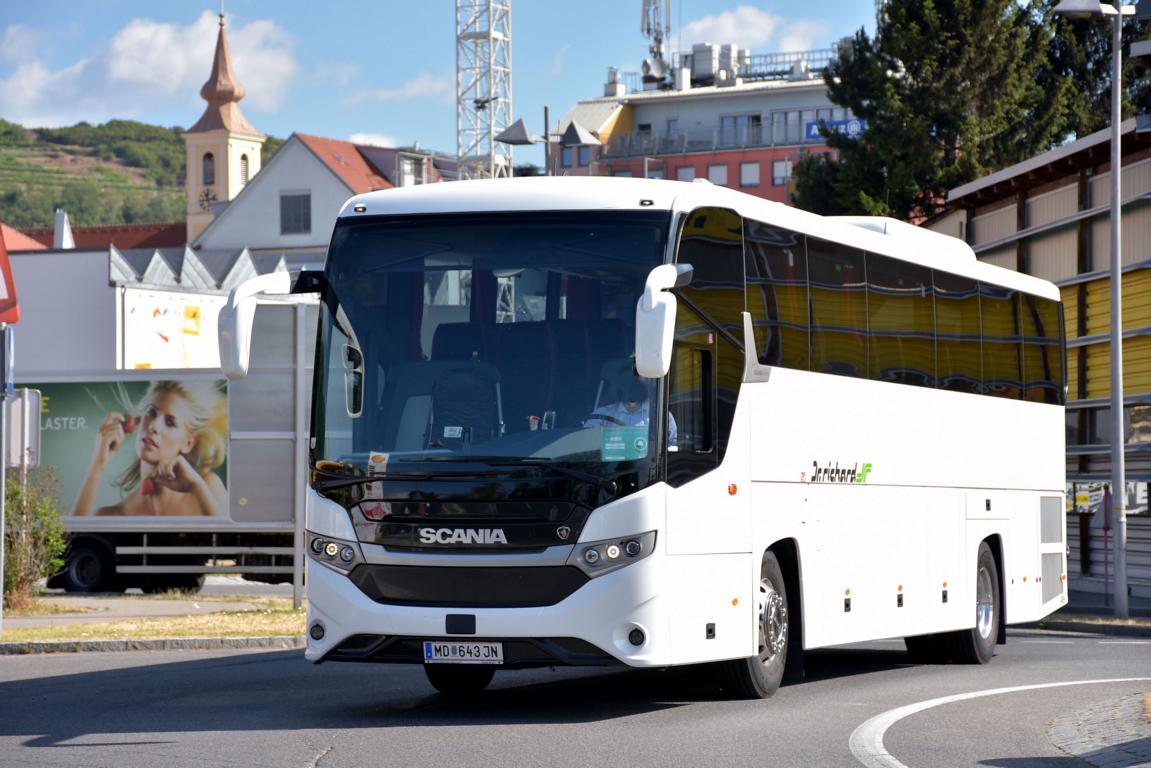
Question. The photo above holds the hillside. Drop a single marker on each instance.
(121, 172)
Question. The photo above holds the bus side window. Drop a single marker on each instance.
(838, 308)
(1001, 342)
(777, 294)
(900, 321)
(691, 399)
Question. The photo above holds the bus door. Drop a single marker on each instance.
(703, 385)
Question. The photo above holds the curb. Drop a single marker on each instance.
(282, 642)
(1092, 627)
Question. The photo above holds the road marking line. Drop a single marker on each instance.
(866, 741)
(1125, 642)
(1049, 642)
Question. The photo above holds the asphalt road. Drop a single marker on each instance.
(149, 709)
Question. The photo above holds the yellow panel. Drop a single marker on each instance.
(1136, 303)
(1136, 368)
(1070, 295)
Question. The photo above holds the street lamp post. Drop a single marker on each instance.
(1086, 9)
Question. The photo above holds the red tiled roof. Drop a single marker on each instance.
(125, 236)
(346, 162)
(18, 241)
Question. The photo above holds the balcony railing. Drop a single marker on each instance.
(705, 140)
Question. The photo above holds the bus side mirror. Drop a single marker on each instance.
(235, 323)
(655, 319)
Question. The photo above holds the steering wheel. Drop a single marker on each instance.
(603, 417)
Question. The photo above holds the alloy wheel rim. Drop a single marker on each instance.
(772, 623)
(984, 608)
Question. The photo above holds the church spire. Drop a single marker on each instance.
(222, 93)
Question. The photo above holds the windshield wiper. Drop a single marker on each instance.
(330, 483)
(608, 485)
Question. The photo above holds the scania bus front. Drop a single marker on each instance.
(485, 459)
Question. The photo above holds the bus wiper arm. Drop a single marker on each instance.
(330, 483)
(608, 485)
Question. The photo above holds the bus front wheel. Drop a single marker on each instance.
(977, 645)
(458, 680)
(759, 676)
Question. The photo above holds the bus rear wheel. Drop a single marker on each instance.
(759, 676)
(458, 680)
(977, 645)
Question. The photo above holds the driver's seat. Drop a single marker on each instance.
(614, 374)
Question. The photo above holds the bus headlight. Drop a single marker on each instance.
(596, 558)
(341, 555)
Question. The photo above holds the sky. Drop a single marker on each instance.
(372, 71)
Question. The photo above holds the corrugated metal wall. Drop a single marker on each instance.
(1052, 206)
(1053, 255)
(1000, 257)
(997, 224)
(1138, 550)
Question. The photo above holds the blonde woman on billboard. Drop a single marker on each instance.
(181, 436)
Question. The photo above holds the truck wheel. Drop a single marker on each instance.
(759, 676)
(977, 645)
(89, 568)
(458, 680)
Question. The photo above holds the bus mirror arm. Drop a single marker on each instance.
(236, 317)
(655, 319)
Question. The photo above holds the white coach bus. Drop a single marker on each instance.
(601, 421)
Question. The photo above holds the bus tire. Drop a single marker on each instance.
(977, 645)
(929, 649)
(759, 676)
(458, 680)
(89, 568)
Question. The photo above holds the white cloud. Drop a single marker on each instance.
(149, 65)
(746, 26)
(374, 139)
(758, 30)
(560, 59)
(803, 35)
(19, 43)
(423, 86)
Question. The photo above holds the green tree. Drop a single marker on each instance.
(34, 539)
(950, 90)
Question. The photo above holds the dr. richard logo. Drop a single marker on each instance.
(833, 473)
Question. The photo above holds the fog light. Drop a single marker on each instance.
(332, 549)
(317, 545)
(632, 548)
(346, 554)
(636, 637)
(591, 556)
(317, 631)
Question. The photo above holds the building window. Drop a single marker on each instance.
(295, 213)
(208, 169)
(740, 130)
(566, 157)
(672, 128)
(655, 173)
(780, 172)
(584, 156)
(684, 173)
(717, 174)
(749, 174)
(623, 174)
(243, 170)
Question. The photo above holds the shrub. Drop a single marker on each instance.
(34, 540)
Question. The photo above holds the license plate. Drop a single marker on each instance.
(456, 652)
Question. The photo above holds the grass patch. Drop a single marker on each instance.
(44, 608)
(275, 616)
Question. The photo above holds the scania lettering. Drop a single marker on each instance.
(583, 421)
(462, 536)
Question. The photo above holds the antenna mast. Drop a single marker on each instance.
(656, 69)
(483, 87)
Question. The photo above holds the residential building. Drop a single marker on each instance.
(736, 119)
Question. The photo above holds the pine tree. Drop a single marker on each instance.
(951, 90)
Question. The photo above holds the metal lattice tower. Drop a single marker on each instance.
(483, 86)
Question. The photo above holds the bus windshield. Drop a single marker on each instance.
(495, 339)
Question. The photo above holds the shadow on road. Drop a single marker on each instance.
(279, 691)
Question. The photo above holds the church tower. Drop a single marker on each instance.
(223, 147)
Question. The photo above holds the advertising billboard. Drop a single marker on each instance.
(140, 448)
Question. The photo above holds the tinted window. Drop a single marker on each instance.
(777, 295)
(998, 320)
(1042, 350)
(959, 362)
(691, 401)
(901, 321)
(838, 308)
(712, 243)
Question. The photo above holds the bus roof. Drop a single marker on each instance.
(538, 193)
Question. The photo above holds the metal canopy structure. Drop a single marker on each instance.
(483, 87)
